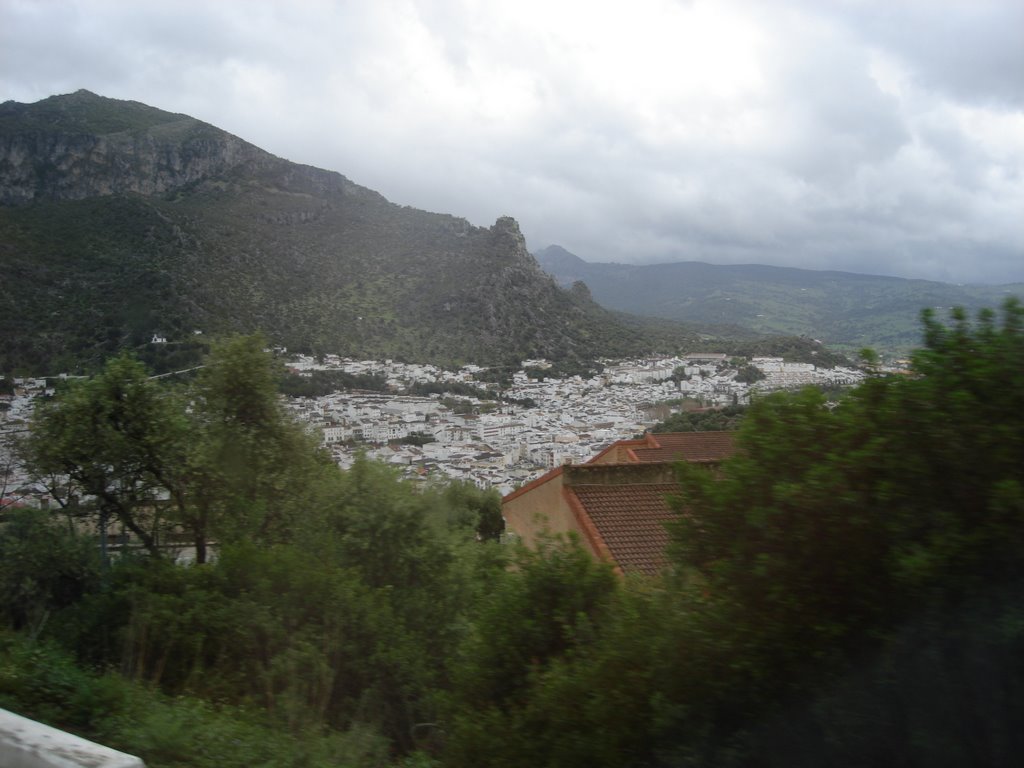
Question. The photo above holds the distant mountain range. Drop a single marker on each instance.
(119, 221)
(844, 310)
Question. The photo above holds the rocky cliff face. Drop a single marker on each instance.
(516, 302)
(44, 156)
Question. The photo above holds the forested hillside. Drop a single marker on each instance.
(847, 311)
(847, 591)
(119, 221)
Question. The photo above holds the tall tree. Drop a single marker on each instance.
(219, 459)
(118, 439)
(247, 462)
(836, 534)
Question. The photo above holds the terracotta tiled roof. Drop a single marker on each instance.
(618, 498)
(629, 520)
(686, 446)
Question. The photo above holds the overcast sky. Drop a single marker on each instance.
(880, 137)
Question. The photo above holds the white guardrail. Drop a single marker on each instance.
(25, 743)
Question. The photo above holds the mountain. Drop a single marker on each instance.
(119, 221)
(845, 310)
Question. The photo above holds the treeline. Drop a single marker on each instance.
(794, 349)
(321, 383)
(565, 369)
(847, 590)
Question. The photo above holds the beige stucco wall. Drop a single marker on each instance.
(541, 508)
(616, 454)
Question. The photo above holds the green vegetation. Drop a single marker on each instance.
(413, 438)
(328, 613)
(457, 388)
(846, 591)
(790, 348)
(847, 311)
(748, 374)
(177, 227)
(44, 682)
(564, 369)
(320, 383)
(704, 420)
(212, 460)
(83, 111)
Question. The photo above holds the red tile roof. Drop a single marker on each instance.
(629, 521)
(621, 507)
(686, 446)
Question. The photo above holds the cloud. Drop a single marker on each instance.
(859, 135)
(969, 51)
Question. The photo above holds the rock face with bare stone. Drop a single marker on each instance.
(82, 145)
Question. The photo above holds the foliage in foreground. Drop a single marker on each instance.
(343, 636)
(846, 591)
(44, 683)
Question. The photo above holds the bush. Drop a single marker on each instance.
(43, 568)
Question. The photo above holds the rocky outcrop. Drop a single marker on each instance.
(581, 292)
(63, 166)
(46, 157)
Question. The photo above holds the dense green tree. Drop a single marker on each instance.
(482, 508)
(353, 621)
(419, 553)
(748, 374)
(728, 418)
(118, 439)
(846, 591)
(915, 478)
(43, 568)
(320, 383)
(251, 469)
(549, 606)
(337, 598)
(217, 458)
(833, 530)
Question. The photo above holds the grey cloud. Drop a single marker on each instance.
(837, 172)
(971, 51)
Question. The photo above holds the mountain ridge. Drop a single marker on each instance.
(845, 309)
(119, 221)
